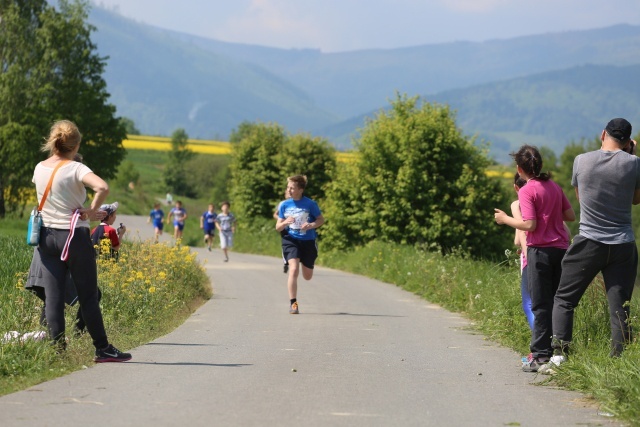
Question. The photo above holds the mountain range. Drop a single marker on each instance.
(547, 89)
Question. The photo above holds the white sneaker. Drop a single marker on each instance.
(554, 362)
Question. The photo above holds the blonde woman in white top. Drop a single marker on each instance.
(68, 194)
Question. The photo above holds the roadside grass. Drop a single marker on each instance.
(14, 227)
(488, 293)
(150, 291)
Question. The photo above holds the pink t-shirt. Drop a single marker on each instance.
(544, 202)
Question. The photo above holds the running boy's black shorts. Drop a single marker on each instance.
(305, 250)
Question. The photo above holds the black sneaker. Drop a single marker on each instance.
(111, 354)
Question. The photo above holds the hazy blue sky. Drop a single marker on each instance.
(339, 25)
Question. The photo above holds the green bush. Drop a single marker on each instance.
(262, 160)
(416, 180)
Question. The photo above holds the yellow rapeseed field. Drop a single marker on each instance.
(159, 143)
(499, 174)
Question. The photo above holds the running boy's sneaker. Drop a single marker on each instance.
(294, 308)
(111, 354)
(533, 365)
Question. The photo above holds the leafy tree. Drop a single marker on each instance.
(127, 173)
(175, 176)
(22, 81)
(208, 176)
(15, 180)
(256, 177)
(78, 90)
(243, 130)
(549, 159)
(49, 70)
(129, 126)
(313, 157)
(263, 160)
(416, 180)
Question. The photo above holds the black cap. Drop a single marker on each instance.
(619, 128)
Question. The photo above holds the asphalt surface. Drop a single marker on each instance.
(360, 353)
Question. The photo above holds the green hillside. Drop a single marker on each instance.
(351, 83)
(551, 109)
(163, 83)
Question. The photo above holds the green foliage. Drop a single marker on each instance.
(417, 180)
(208, 177)
(175, 176)
(265, 157)
(79, 91)
(50, 70)
(313, 157)
(243, 130)
(18, 148)
(127, 174)
(549, 159)
(255, 173)
(129, 126)
(556, 106)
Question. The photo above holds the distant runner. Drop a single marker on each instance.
(179, 214)
(208, 224)
(156, 216)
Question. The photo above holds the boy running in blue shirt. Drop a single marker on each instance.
(208, 224)
(156, 216)
(179, 214)
(300, 216)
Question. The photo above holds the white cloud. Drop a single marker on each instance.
(272, 23)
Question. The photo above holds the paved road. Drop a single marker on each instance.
(361, 353)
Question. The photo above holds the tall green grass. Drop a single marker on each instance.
(149, 292)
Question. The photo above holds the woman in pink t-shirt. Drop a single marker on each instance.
(544, 209)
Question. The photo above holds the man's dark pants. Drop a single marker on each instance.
(583, 261)
(543, 273)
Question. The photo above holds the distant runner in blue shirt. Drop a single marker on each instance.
(300, 216)
(179, 214)
(156, 216)
(208, 224)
